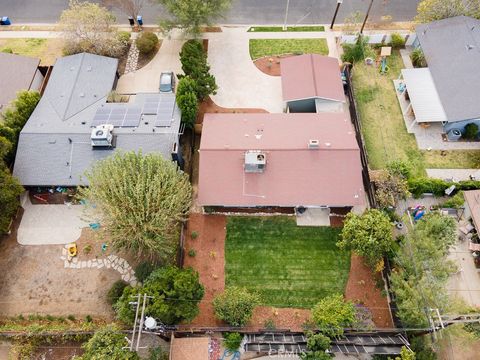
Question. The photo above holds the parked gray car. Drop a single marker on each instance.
(167, 82)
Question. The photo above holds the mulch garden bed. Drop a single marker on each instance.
(270, 65)
(361, 288)
(208, 106)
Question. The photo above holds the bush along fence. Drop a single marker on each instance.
(437, 187)
(358, 134)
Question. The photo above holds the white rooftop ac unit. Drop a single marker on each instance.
(313, 144)
(101, 136)
(255, 161)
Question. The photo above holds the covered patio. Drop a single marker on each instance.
(418, 98)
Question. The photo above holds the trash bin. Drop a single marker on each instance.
(131, 21)
(139, 20)
(5, 21)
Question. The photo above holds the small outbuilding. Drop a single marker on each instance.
(312, 83)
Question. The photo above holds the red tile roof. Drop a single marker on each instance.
(294, 175)
(311, 76)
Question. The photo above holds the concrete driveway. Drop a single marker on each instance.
(147, 79)
(240, 83)
(49, 224)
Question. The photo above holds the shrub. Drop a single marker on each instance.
(116, 291)
(143, 270)
(419, 186)
(124, 37)
(7, 50)
(418, 58)
(194, 235)
(353, 53)
(398, 41)
(269, 324)
(401, 168)
(471, 131)
(232, 341)
(186, 85)
(235, 305)
(71, 317)
(192, 253)
(88, 319)
(188, 105)
(333, 313)
(455, 202)
(147, 42)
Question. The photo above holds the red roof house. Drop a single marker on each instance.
(280, 160)
(312, 83)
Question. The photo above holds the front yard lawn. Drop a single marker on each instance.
(47, 50)
(272, 47)
(289, 266)
(383, 127)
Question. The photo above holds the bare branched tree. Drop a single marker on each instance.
(128, 7)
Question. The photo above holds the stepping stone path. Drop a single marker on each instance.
(132, 58)
(112, 261)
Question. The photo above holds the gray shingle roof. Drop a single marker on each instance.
(452, 50)
(54, 146)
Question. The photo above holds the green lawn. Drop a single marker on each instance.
(289, 28)
(383, 127)
(270, 47)
(289, 266)
(47, 50)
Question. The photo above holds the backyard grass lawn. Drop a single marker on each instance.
(271, 47)
(47, 50)
(383, 127)
(289, 266)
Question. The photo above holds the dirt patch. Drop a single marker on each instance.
(208, 29)
(209, 260)
(208, 106)
(63, 351)
(270, 65)
(35, 281)
(283, 318)
(361, 288)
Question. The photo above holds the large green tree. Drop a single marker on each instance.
(107, 343)
(431, 10)
(332, 314)
(139, 200)
(235, 305)
(422, 270)
(89, 27)
(369, 235)
(10, 190)
(15, 118)
(176, 294)
(188, 105)
(191, 15)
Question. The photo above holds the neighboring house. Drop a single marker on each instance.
(291, 161)
(312, 83)
(18, 73)
(73, 125)
(447, 91)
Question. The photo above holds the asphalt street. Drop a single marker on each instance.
(241, 12)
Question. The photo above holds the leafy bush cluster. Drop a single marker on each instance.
(398, 41)
(235, 305)
(359, 51)
(116, 291)
(332, 314)
(471, 131)
(232, 341)
(418, 58)
(13, 120)
(146, 42)
(176, 295)
(419, 186)
(422, 270)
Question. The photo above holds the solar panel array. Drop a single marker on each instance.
(161, 105)
(118, 115)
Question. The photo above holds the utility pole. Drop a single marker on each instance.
(336, 12)
(142, 320)
(286, 15)
(366, 16)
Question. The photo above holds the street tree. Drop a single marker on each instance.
(431, 10)
(369, 235)
(140, 201)
(130, 8)
(89, 27)
(191, 15)
(108, 343)
(333, 314)
(175, 293)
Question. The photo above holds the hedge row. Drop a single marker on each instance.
(419, 186)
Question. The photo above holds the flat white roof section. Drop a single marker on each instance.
(423, 95)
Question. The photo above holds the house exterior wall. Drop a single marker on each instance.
(302, 106)
(37, 81)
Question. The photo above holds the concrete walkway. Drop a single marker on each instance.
(455, 174)
(49, 224)
(147, 79)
